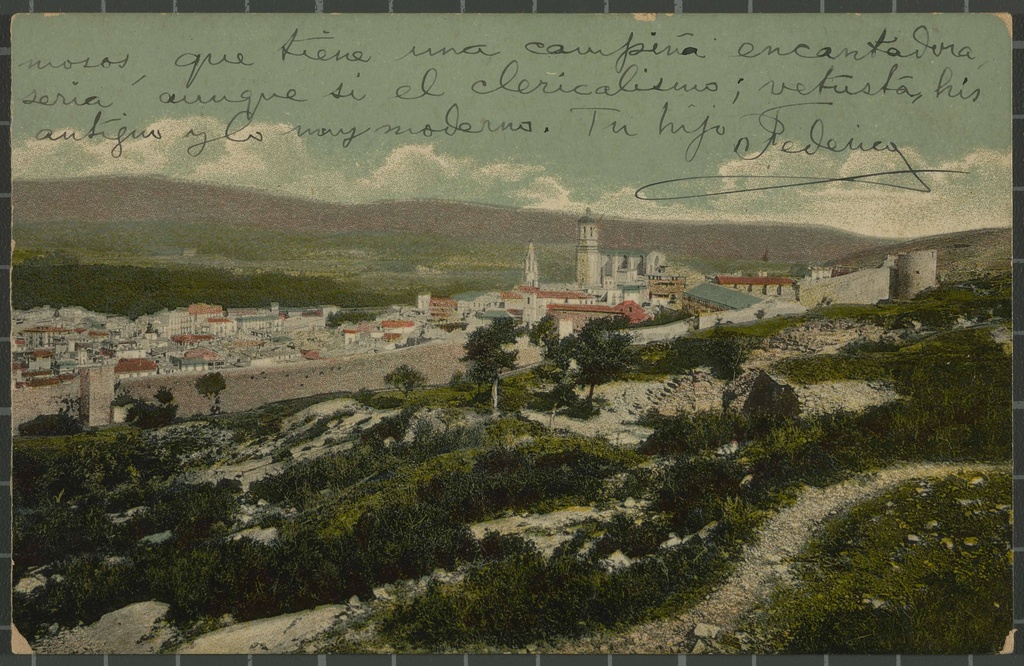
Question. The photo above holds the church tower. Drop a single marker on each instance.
(531, 273)
(588, 259)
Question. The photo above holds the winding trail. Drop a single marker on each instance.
(766, 562)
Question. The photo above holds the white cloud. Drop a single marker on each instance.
(288, 164)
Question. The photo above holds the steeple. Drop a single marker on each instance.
(588, 258)
(531, 273)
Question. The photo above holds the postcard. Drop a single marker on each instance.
(465, 334)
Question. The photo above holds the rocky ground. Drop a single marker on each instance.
(333, 425)
(273, 635)
(139, 628)
(851, 396)
(550, 530)
(818, 337)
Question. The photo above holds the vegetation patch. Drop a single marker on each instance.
(925, 569)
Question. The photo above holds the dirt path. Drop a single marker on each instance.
(766, 562)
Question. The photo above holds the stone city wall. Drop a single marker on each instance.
(645, 334)
(764, 310)
(251, 387)
(866, 287)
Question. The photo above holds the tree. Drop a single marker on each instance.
(146, 415)
(603, 352)
(557, 364)
(405, 378)
(729, 350)
(545, 332)
(487, 355)
(209, 386)
(64, 422)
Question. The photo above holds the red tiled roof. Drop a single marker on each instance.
(42, 353)
(575, 295)
(99, 334)
(350, 331)
(48, 381)
(392, 337)
(442, 302)
(633, 311)
(527, 289)
(311, 354)
(757, 280)
(126, 365)
(510, 295)
(45, 381)
(205, 309)
(580, 307)
(397, 323)
(189, 338)
(202, 352)
(313, 313)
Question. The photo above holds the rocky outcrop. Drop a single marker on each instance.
(695, 391)
(770, 397)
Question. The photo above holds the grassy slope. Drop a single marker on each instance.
(924, 569)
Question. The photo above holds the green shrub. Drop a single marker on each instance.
(281, 454)
(887, 579)
(695, 490)
(497, 546)
(50, 425)
(526, 598)
(633, 538)
(504, 478)
(407, 541)
(693, 434)
(389, 427)
(90, 586)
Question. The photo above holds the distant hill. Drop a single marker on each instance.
(960, 253)
(159, 199)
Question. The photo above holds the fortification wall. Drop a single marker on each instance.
(251, 387)
(26, 404)
(645, 334)
(763, 310)
(864, 287)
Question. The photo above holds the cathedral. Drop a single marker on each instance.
(610, 272)
(604, 278)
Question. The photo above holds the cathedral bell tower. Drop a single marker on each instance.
(531, 273)
(588, 259)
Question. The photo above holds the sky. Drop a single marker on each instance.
(580, 161)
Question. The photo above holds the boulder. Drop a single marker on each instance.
(706, 531)
(615, 561)
(768, 396)
(706, 630)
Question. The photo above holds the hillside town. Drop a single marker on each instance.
(53, 346)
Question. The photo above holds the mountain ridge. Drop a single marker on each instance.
(149, 198)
